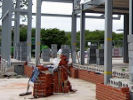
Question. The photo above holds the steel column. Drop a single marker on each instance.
(82, 37)
(38, 30)
(130, 17)
(17, 27)
(130, 41)
(125, 41)
(29, 30)
(130, 45)
(73, 37)
(6, 31)
(108, 41)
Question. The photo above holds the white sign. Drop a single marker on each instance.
(89, 43)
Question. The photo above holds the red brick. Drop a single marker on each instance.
(104, 92)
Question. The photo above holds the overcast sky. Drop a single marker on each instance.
(65, 23)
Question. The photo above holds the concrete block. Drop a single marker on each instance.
(130, 38)
(91, 56)
(19, 69)
(46, 55)
(130, 46)
(54, 50)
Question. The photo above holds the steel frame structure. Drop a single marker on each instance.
(6, 31)
(18, 11)
(105, 6)
(74, 16)
(8, 11)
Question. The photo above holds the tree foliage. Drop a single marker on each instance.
(53, 36)
(96, 37)
(23, 34)
(56, 36)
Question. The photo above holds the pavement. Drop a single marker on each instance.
(11, 88)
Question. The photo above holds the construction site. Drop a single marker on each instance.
(92, 71)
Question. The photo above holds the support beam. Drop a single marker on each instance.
(108, 41)
(73, 35)
(125, 41)
(78, 16)
(130, 49)
(62, 1)
(130, 17)
(38, 30)
(17, 27)
(29, 30)
(6, 33)
(82, 37)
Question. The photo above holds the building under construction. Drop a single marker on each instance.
(112, 77)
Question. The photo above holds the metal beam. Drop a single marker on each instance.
(130, 17)
(73, 35)
(38, 30)
(29, 30)
(108, 41)
(62, 1)
(21, 10)
(17, 27)
(130, 49)
(78, 16)
(5, 14)
(82, 37)
(125, 41)
(92, 4)
(6, 32)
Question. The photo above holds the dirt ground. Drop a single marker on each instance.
(11, 88)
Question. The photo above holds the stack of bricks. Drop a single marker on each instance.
(46, 83)
(95, 77)
(28, 70)
(43, 86)
(61, 83)
(83, 74)
(73, 72)
(104, 92)
(87, 75)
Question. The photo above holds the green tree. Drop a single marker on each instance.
(53, 36)
(68, 36)
(23, 33)
(96, 37)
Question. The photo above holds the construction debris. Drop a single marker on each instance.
(52, 79)
(10, 75)
(43, 86)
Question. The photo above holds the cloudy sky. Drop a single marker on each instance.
(65, 23)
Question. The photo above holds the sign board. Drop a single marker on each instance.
(89, 43)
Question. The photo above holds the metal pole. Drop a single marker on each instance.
(125, 42)
(130, 49)
(73, 37)
(130, 17)
(82, 37)
(9, 35)
(38, 29)
(29, 30)
(6, 32)
(108, 41)
(17, 27)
